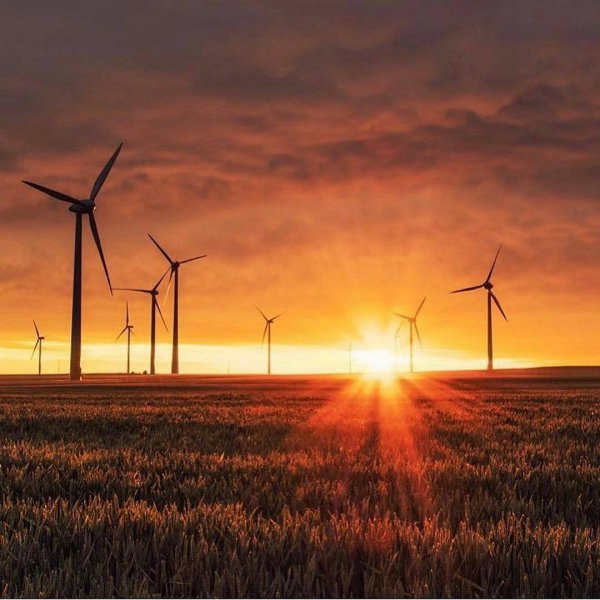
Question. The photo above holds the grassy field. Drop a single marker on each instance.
(436, 486)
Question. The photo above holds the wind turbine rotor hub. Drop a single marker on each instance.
(86, 207)
(488, 285)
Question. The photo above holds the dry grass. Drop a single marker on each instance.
(411, 489)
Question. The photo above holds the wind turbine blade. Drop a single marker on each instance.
(161, 315)
(131, 330)
(261, 312)
(493, 265)
(277, 317)
(402, 316)
(54, 193)
(191, 259)
(160, 280)
(122, 332)
(498, 305)
(264, 333)
(104, 173)
(37, 331)
(35, 348)
(467, 289)
(417, 331)
(420, 307)
(94, 229)
(127, 313)
(132, 290)
(161, 249)
(169, 285)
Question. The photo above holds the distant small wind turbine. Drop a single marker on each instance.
(350, 358)
(175, 264)
(412, 321)
(267, 332)
(487, 285)
(396, 335)
(38, 342)
(154, 307)
(80, 208)
(129, 329)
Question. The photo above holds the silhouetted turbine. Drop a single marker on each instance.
(412, 321)
(174, 267)
(396, 335)
(350, 358)
(80, 208)
(268, 323)
(487, 285)
(129, 329)
(38, 342)
(154, 306)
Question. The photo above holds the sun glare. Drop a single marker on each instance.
(374, 361)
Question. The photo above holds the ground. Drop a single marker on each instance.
(437, 485)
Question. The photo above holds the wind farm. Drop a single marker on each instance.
(329, 306)
(375, 419)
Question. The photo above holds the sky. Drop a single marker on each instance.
(338, 161)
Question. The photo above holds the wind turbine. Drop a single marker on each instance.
(38, 342)
(396, 335)
(412, 321)
(175, 264)
(154, 306)
(488, 285)
(80, 208)
(350, 358)
(268, 323)
(129, 329)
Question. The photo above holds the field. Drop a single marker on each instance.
(324, 486)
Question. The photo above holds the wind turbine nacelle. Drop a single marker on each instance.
(488, 285)
(86, 207)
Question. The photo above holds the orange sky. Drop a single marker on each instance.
(337, 160)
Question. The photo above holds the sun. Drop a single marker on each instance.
(375, 361)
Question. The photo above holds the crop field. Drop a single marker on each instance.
(301, 487)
